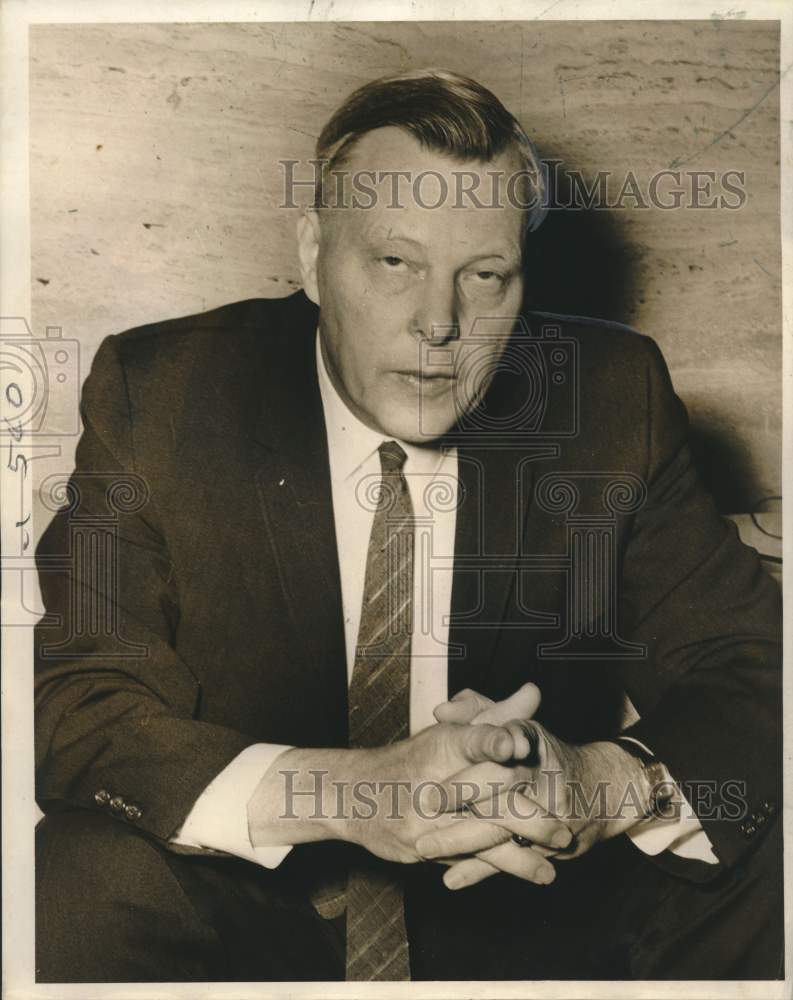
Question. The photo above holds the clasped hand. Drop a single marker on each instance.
(456, 793)
(395, 800)
(596, 790)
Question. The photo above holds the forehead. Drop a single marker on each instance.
(394, 188)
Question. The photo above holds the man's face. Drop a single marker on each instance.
(390, 279)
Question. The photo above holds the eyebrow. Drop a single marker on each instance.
(392, 237)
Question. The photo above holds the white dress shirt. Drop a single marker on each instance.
(218, 820)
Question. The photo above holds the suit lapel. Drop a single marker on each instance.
(494, 524)
(294, 493)
(493, 520)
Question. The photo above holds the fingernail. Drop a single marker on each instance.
(503, 745)
(561, 838)
(453, 880)
(545, 875)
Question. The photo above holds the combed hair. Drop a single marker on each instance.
(445, 112)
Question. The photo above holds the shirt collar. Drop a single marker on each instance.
(351, 443)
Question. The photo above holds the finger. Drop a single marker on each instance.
(520, 705)
(583, 841)
(522, 816)
(463, 707)
(487, 743)
(512, 814)
(461, 837)
(545, 852)
(522, 862)
(467, 872)
(467, 693)
(475, 783)
(522, 744)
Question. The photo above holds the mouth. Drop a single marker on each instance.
(429, 383)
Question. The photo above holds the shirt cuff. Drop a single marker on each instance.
(682, 835)
(218, 820)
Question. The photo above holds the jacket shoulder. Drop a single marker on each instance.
(612, 359)
(233, 321)
(614, 394)
(599, 339)
(216, 363)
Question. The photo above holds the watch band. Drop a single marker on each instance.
(659, 783)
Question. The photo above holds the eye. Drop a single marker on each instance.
(484, 282)
(392, 262)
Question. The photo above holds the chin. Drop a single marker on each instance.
(418, 427)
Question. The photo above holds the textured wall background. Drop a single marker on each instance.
(155, 183)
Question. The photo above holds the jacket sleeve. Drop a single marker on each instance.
(116, 707)
(709, 691)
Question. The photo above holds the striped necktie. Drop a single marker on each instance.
(379, 704)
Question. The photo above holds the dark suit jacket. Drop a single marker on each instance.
(216, 621)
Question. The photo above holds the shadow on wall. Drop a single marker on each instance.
(580, 262)
(726, 467)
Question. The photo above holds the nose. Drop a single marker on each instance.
(436, 318)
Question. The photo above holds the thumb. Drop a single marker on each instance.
(483, 743)
(463, 707)
(520, 705)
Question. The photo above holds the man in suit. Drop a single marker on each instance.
(396, 637)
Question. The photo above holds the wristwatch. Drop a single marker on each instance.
(660, 785)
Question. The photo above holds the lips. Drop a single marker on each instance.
(428, 383)
(428, 386)
(427, 376)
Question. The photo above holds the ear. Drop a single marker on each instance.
(308, 251)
